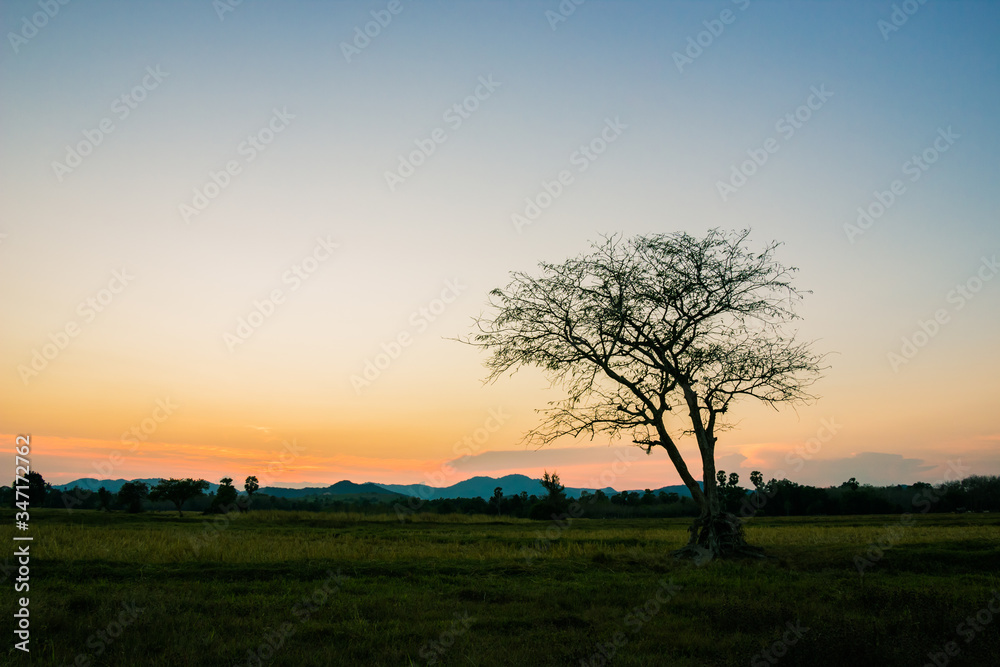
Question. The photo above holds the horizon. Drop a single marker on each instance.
(238, 239)
(956, 474)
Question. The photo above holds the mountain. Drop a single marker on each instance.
(511, 485)
(112, 485)
(342, 488)
(481, 487)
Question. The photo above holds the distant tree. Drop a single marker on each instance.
(554, 503)
(731, 494)
(557, 492)
(38, 488)
(226, 497)
(851, 484)
(104, 499)
(178, 491)
(756, 479)
(131, 495)
(251, 486)
(668, 497)
(497, 499)
(638, 329)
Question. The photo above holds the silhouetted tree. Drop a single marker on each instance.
(178, 491)
(104, 499)
(557, 492)
(38, 488)
(851, 484)
(497, 499)
(640, 327)
(731, 494)
(251, 486)
(225, 497)
(131, 495)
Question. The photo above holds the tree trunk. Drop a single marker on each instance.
(715, 533)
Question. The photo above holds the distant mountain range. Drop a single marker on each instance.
(344, 488)
(476, 486)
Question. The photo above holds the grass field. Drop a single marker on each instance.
(282, 588)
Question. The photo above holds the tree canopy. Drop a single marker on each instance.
(178, 491)
(639, 328)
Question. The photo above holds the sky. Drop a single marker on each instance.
(242, 238)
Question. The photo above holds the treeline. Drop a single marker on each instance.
(773, 498)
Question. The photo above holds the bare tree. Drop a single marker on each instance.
(639, 329)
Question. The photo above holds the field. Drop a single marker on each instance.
(282, 588)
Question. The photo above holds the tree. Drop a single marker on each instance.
(731, 494)
(251, 486)
(131, 495)
(178, 491)
(104, 499)
(557, 492)
(226, 497)
(554, 503)
(497, 499)
(637, 328)
(38, 488)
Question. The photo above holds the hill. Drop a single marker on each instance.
(474, 487)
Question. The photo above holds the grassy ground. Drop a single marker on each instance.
(327, 589)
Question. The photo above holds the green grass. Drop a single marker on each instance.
(465, 582)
